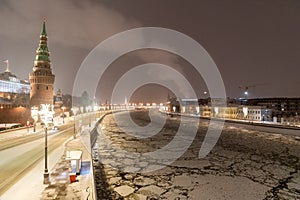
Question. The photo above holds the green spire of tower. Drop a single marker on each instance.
(42, 52)
(44, 28)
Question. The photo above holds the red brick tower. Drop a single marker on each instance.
(41, 78)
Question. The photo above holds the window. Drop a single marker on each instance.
(38, 87)
(47, 87)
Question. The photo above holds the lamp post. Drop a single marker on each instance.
(46, 173)
(74, 109)
(27, 125)
(34, 115)
(45, 112)
(63, 108)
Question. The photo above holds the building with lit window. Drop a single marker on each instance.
(18, 98)
(282, 107)
(14, 98)
(10, 84)
(13, 91)
(254, 113)
(203, 108)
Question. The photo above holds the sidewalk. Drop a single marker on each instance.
(60, 186)
(12, 134)
(31, 187)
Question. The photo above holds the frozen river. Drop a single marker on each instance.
(244, 164)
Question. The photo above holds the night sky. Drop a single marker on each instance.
(252, 42)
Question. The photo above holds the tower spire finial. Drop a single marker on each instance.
(42, 52)
(44, 27)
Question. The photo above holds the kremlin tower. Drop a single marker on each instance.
(41, 78)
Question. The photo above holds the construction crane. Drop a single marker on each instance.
(246, 87)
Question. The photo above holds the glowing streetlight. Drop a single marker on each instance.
(96, 107)
(46, 113)
(174, 108)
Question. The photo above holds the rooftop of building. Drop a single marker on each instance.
(9, 76)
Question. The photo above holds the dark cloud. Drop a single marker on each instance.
(252, 42)
(73, 27)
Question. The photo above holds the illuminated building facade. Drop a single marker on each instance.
(11, 88)
(10, 84)
(14, 99)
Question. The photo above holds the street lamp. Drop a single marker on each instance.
(46, 113)
(75, 110)
(34, 115)
(63, 108)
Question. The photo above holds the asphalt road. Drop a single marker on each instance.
(19, 155)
